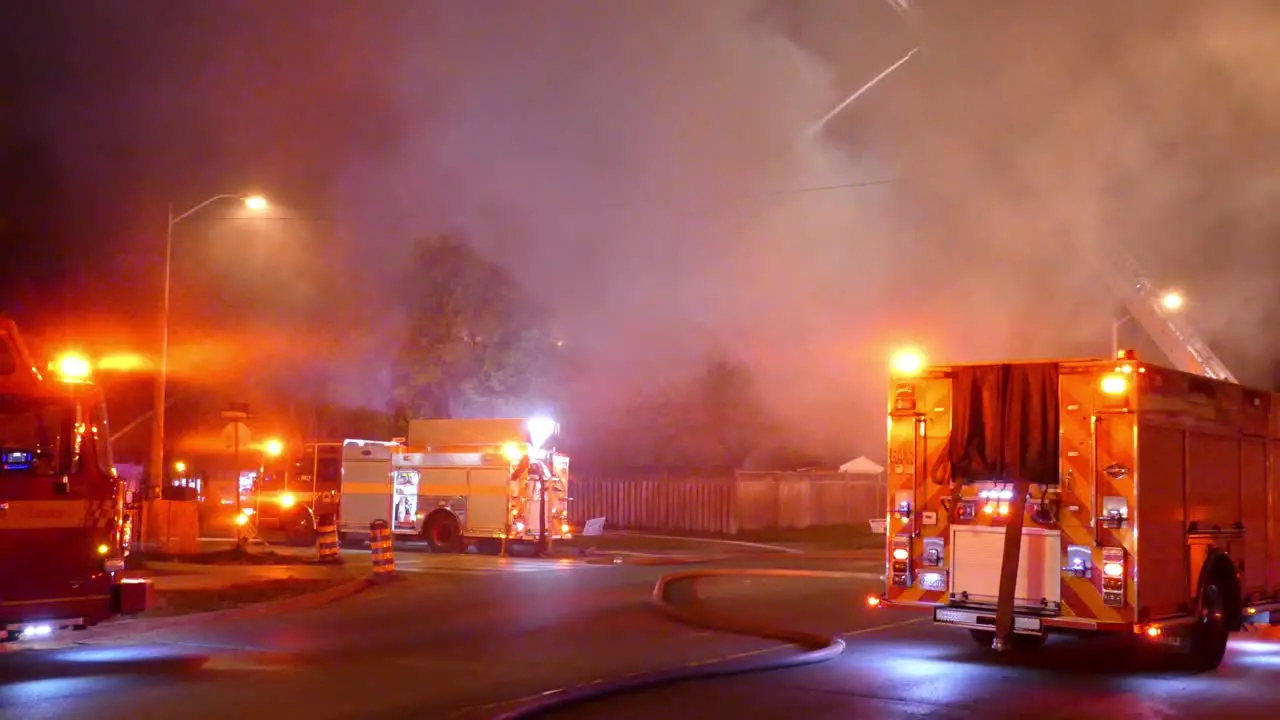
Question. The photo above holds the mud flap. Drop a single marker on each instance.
(133, 595)
(1009, 564)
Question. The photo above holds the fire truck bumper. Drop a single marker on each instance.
(984, 620)
(130, 596)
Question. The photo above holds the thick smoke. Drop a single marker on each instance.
(635, 159)
(638, 162)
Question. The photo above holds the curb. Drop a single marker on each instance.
(815, 649)
(122, 628)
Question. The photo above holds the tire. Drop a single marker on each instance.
(300, 531)
(442, 532)
(1209, 634)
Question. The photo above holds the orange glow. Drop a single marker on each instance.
(273, 448)
(122, 362)
(256, 203)
(873, 601)
(1003, 509)
(900, 554)
(1154, 631)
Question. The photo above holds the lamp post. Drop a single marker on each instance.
(252, 202)
(1170, 301)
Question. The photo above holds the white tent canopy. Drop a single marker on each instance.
(861, 466)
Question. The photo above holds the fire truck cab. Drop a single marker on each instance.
(293, 492)
(63, 533)
(1082, 496)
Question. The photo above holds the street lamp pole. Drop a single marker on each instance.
(157, 433)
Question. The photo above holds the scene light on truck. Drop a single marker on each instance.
(907, 362)
(540, 430)
(287, 500)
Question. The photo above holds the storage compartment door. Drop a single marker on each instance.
(976, 555)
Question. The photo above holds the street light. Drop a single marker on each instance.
(252, 202)
(1171, 301)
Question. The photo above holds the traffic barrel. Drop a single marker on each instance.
(327, 539)
(384, 560)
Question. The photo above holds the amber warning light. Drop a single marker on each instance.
(907, 362)
(71, 367)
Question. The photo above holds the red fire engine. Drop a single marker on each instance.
(62, 520)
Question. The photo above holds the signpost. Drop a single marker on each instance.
(233, 435)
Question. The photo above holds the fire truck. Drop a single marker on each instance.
(292, 492)
(460, 482)
(1085, 496)
(63, 529)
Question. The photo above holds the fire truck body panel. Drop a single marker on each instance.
(365, 485)
(1086, 453)
(62, 522)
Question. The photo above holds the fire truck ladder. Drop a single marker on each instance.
(1168, 329)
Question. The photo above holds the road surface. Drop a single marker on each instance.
(458, 634)
(916, 670)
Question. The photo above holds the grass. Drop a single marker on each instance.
(183, 602)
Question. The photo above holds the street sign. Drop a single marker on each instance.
(229, 439)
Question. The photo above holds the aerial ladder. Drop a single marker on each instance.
(1169, 329)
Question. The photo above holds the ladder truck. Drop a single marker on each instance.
(1086, 496)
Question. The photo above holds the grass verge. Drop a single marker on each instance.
(185, 602)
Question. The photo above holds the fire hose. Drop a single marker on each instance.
(814, 648)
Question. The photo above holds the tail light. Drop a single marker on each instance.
(1113, 572)
(900, 561)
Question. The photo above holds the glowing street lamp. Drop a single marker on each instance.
(257, 203)
(1171, 301)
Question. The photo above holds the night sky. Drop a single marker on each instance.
(646, 156)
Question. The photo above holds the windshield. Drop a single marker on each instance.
(32, 433)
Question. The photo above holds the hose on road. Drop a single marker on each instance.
(815, 648)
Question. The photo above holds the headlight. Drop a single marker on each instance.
(287, 500)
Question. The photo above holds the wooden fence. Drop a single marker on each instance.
(726, 504)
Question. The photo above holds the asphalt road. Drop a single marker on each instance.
(916, 670)
(454, 637)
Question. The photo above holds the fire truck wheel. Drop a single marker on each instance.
(1208, 641)
(442, 533)
(300, 530)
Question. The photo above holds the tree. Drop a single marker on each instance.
(478, 341)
